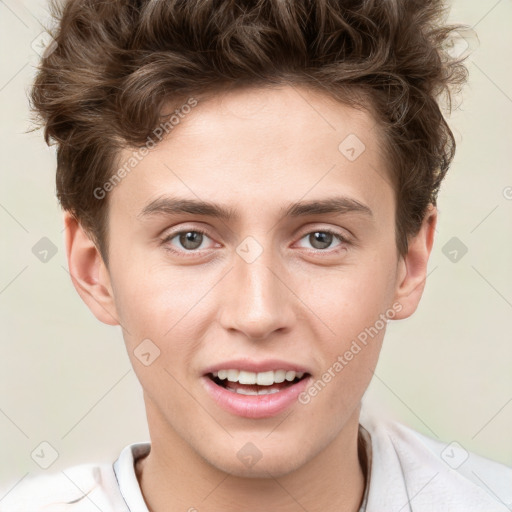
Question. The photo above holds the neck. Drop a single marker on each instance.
(174, 477)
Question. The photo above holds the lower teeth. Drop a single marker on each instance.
(269, 390)
(252, 392)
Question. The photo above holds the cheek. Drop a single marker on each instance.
(144, 303)
(156, 309)
(354, 304)
(350, 298)
(350, 355)
(163, 304)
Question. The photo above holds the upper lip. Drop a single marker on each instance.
(250, 365)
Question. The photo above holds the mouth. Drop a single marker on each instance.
(252, 383)
(255, 394)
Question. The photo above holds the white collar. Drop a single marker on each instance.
(124, 469)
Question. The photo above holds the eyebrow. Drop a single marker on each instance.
(166, 205)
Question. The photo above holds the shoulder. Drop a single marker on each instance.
(424, 472)
(73, 489)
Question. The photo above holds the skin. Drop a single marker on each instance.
(255, 151)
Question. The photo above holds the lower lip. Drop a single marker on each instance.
(255, 406)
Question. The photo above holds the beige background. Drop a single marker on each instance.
(65, 378)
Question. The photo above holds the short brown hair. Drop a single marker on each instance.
(117, 62)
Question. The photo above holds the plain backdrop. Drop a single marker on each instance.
(66, 380)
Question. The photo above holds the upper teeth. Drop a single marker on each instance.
(260, 378)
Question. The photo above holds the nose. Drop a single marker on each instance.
(257, 302)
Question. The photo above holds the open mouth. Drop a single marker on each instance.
(255, 394)
(263, 383)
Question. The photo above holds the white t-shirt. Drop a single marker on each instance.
(409, 472)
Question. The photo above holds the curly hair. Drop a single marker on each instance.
(117, 64)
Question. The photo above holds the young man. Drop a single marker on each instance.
(249, 192)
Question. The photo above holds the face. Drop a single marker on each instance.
(299, 275)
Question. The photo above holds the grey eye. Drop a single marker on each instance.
(190, 239)
(321, 239)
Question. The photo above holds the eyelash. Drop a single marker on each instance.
(192, 253)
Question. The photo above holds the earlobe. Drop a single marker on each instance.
(412, 268)
(88, 272)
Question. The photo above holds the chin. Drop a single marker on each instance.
(250, 462)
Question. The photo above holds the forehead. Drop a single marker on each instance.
(272, 114)
(260, 144)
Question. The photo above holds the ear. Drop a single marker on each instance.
(88, 272)
(412, 268)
